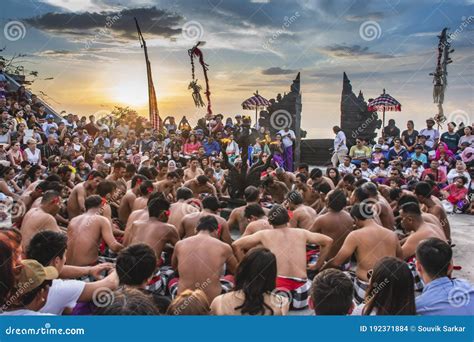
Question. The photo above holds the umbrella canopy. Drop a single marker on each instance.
(384, 102)
(255, 101)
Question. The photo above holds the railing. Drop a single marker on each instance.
(49, 109)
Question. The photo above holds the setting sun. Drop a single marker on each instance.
(130, 90)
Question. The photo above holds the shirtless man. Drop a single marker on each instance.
(168, 185)
(182, 207)
(303, 215)
(146, 188)
(423, 193)
(286, 177)
(309, 196)
(162, 171)
(76, 201)
(370, 243)
(316, 177)
(255, 215)
(211, 207)
(201, 185)
(336, 222)
(200, 259)
(290, 257)
(236, 218)
(117, 176)
(86, 232)
(384, 209)
(412, 221)
(126, 204)
(346, 184)
(194, 170)
(276, 189)
(427, 217)
(154, 231)
(41, 218)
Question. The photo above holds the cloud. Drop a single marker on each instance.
(277, 71)
(153, 21)
(350, 51)
(364, 17)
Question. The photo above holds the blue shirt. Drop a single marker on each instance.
(211, 147)
(422, 157)
(446, 297)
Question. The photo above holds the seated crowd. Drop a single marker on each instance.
(115, 218)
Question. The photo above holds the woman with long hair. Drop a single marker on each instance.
(10, 261)
(7, 184)
(15, 155)
(391, 289)
(333, 174)
(254, 292)
(191, 147)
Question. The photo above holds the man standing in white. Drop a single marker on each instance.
(340, 147)
(288, 137)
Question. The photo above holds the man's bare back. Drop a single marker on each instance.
(188, 225)
(336, 225)
(153, 233)
(85, 235)
(256, 226)
(303, 217)
(36, 220)
(126, 206)
(200, 260)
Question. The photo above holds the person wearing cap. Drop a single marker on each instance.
(431, 134)
(31, 290)
(377, 155)
(49, 123)
(451, 137)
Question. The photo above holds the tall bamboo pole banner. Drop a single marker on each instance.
(154, 114)
(196, 52)
(440, 79)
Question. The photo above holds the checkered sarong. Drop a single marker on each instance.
(226, 284)
(159, 281)
(296, 289)
(416, 277)
(360, 287)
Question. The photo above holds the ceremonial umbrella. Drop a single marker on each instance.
(384, 103)
(255, 102)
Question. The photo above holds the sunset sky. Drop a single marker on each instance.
(91, 50)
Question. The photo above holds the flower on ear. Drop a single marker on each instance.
(150, 189)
